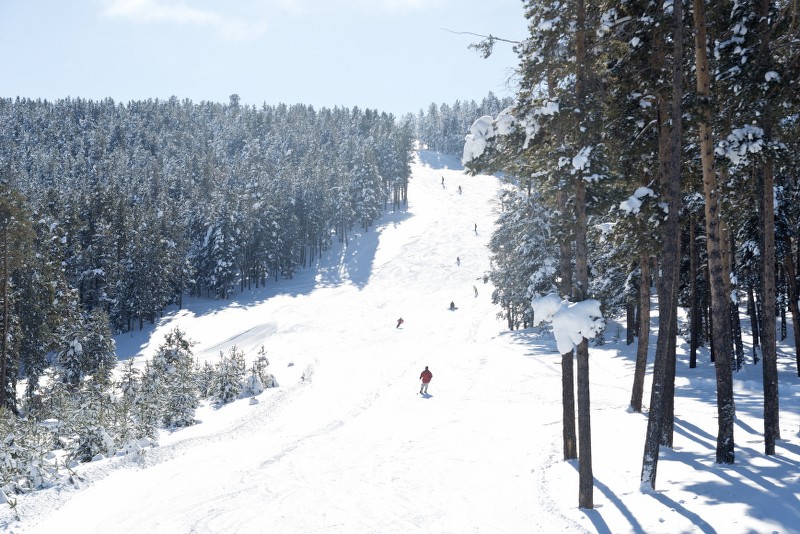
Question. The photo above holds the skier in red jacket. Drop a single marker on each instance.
(425, 376)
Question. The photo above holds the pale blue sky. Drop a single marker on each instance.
(391, 55)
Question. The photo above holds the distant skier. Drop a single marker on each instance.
(475, 289)
(442, 182)
(452, 305)
(458, 260)
(459, 189)
(476, 228)
(399, 322)
(425, 376)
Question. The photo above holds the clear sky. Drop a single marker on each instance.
(396, 56)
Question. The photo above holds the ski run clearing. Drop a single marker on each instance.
(347, 445)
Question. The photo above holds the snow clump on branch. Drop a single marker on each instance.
(571, 321)
(485, 128)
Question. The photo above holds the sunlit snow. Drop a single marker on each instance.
(347, 445)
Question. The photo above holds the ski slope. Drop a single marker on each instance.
(347, 445)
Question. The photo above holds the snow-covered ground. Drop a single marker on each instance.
(347, 445)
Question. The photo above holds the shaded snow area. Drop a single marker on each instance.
(347, 445)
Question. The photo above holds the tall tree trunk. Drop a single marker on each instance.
(585, 475)
(736, 323)
(644, 334)
(694, 325)
(720, 301)
(755, 322)
(630, 318)
(568, 430)
(766, 190)
(670, 173)
(768, 349)
(791, 288)
(668, 423)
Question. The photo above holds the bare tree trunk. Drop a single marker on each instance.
(791, 285)
(585, 475)
(644, 335)
(695, 310)
(765, 180)
(720, 300)
(630, 319)
(568, 431)
(755, 323)
(670, 174)
(736, 323)
(768, 349)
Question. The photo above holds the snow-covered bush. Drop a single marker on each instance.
(26, 462)
(93, 443)
(252, 386)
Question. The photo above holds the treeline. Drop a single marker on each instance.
(110, 212)
(654, 145)
(442, 127)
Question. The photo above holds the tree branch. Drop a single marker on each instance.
(486, 45)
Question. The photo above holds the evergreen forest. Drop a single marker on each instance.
(652, 148)
(112, 212)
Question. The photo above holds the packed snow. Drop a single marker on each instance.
(346, 444)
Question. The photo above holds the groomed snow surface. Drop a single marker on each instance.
(347, 445)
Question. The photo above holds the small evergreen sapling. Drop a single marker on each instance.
(229, 380)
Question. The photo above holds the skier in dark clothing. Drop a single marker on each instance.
(399, 322)
(425, 376)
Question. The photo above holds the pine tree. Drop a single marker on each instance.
(92, 421)
(99, 356)
(147, 406)
(173, 364)
(230, 375)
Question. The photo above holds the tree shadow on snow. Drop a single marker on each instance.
(436, 160)
(339, 265)
(354, 262)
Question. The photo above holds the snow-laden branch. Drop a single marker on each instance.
(572, 321)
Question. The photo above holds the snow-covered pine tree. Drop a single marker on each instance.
(91, 421)
(70, 361)
(230, 375)
(524, 256)
(126, 391)
(259, 379)
(99, 350)
(205, 379)
(147, 406)
(174, 365)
